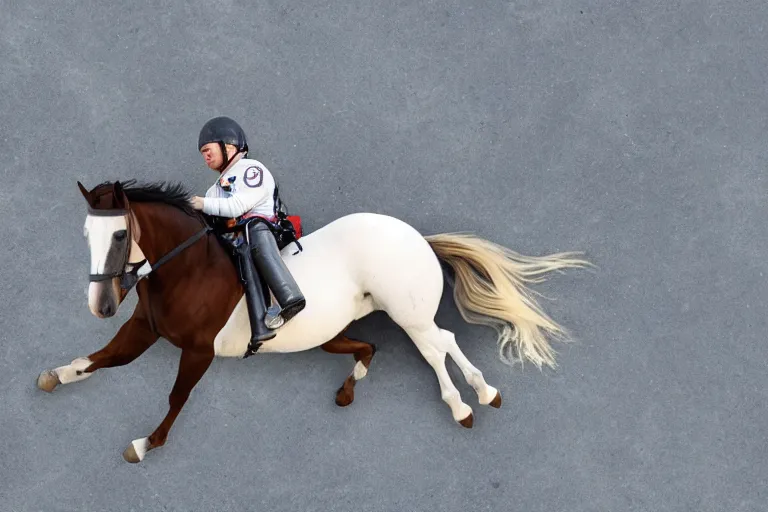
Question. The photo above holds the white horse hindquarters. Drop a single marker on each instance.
(396, 265)
(404, 276)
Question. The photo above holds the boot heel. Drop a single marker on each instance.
(294, 309)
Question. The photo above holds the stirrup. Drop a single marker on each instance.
(277, 317)
(273, 319)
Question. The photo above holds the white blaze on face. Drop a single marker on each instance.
(105, 251)
(100, 232)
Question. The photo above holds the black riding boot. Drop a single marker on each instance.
(270, 265)
(254, 298)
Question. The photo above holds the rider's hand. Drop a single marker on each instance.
(196, 202)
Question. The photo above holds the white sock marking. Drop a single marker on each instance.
(359, 371)
(68, 374)
(141, 446)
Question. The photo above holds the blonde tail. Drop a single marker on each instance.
(489, 289)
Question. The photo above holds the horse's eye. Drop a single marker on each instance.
(120, 235)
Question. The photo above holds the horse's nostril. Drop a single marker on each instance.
(106, 310)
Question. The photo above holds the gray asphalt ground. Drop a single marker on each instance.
(633, 131)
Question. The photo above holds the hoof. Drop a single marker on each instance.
(346, 393)
(48, 380)
(468, 421)
(130, 455)
(496, 402)
(343, 398)
(136, 451)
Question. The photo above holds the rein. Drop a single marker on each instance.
(129, 279)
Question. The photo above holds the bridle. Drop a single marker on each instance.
(128, 278)
(141, 269)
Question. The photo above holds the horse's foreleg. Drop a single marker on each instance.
(192, 366)
(131, 340)
(363, 353)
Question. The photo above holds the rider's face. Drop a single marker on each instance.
(212, 154)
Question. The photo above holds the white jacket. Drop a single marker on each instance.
(246, 187)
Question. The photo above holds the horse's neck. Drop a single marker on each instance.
(163, 228)
(164, 296)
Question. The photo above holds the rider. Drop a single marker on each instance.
(244, 190)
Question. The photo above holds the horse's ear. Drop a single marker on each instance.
(121, 199)
(86, 194)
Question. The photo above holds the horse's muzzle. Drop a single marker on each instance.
(104, 298)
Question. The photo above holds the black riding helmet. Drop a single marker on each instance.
(224, 131)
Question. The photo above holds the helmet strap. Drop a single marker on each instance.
(226, 160)
(224, 156)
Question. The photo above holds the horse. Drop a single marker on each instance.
(148, 237)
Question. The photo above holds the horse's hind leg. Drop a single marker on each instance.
(434, 345)
(363, 353)
(486, 395)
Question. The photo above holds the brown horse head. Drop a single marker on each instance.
(112, 232)
(116, 212)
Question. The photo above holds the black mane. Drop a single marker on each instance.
(172, 194)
